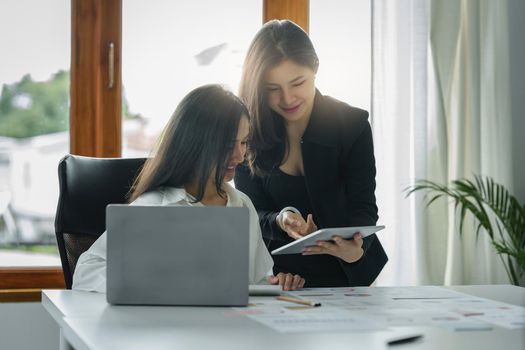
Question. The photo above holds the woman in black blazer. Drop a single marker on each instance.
(310, 164)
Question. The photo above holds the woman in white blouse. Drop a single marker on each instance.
(196, 157)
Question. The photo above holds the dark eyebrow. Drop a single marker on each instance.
(290, 82)
(296, 79)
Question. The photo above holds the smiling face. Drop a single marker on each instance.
(290, 90)
(238, 147)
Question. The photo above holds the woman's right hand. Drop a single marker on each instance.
(287, 281)
(295, 226)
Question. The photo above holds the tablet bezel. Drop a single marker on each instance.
(325, 234)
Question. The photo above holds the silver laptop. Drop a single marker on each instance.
(177, 255)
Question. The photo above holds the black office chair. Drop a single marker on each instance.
(87, 186)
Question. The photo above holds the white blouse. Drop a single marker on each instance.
(90, 271)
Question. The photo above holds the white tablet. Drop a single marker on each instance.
(325, 234)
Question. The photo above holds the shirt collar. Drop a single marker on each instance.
(174, 195)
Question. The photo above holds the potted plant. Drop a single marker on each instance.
(496, 211)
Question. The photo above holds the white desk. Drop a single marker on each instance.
(88, 322)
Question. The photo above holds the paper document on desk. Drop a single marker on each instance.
(376, 308)
(287, 317)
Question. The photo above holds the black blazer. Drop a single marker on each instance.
(339, 170)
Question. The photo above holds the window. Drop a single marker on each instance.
(171, 47)
(95, 110)
(34, 123)
(344, 53)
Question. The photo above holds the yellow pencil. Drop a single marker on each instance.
(298, 301)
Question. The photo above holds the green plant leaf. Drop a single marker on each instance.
(480, 198)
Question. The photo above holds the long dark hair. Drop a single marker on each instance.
(276, 41)
(196, 141)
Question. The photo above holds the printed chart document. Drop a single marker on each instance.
(377, 308)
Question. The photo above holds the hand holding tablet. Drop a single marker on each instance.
(326, 234)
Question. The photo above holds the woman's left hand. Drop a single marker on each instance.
(349, 250)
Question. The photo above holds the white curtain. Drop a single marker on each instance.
(440, 111)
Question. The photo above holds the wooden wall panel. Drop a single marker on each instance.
(110, 128)
(95, 113)
(24, 284)
(295, 10)
(31, 277)
(20, 295)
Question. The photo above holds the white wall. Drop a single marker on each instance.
(517, 77)
(27, 326)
